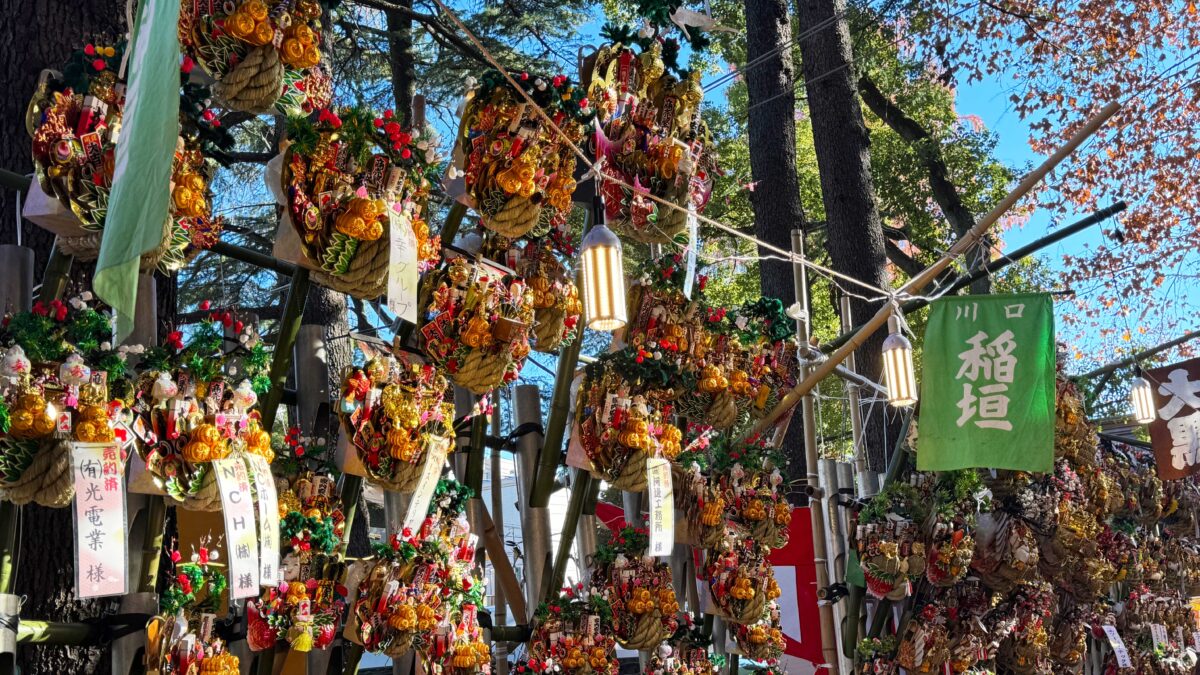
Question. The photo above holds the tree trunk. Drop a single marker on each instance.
(855, 235)
(400, 57)
(34, 36)
(772, 133)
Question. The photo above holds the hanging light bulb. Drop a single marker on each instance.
(603, 275)
(1142, 393)
(898, 373)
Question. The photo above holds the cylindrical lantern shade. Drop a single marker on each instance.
(899, 376)
(1142, 393)
(603, 280)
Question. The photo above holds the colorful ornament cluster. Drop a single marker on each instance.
(183, 637)
(61, 381)
(651, 139)
(350, 178)
(422, 591)
(195, 403)
(519, 166)
(75, 121)
(394, 413)
(1022, 573)
(308, 605)
(265, 55)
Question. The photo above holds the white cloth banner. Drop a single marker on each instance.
(662, 507)
(241, 536)
(268, 521)
(101, 546)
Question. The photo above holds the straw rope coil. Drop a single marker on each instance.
(255, 83)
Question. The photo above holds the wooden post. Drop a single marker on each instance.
(281, 363)
(16, 287)
(921, 280)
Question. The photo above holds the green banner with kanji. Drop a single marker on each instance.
(987, 385)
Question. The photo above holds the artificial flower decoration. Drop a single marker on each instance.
(476, 323)
(349, 177)
(518, 169)
(75, 121)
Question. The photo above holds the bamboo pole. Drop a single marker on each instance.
(54, 278)
(579, 491)
(499, 610)
(502, 568)
(289, 330)
(922, 279)
(817, 492)
(453, 222)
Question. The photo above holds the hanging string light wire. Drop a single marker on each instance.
(596, 166)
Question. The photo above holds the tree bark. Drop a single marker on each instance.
(400, 57)
(855, 235)
(772, 133)
(34, 36)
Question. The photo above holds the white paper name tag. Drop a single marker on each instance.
(1158, 633)
(1118, 647)
(423, 494)
(1196, 639)
(241, 536)
(268, 521)
(662, 506)
(101, 547)
(403, 274)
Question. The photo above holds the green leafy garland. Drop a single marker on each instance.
(899, 497)
(764, 317)
(317, 531)
(725, 453)
(51, 334)
(203, 357)
(190, 580)
(570, 607)
(629, 541)
(647, 371)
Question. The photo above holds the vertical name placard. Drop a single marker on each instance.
(241, 537)
(1118, 646)
(403, 274)
(662, 506)
(101, 547)
(423, 494)
(268, 521)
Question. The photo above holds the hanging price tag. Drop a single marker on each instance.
(403, 273)
(1158, 633)
(101, 553)
(268, 521)
(419, 505)
(1118, 647)
(662, 506)
(241, 536)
